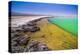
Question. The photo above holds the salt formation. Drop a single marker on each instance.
(20, 41)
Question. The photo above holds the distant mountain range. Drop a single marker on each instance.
(30, 14)
(23, 14)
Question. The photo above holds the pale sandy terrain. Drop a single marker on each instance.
(19, 20)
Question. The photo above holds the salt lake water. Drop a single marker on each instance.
(69, 24)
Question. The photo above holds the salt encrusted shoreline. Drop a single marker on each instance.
(19, 41)
(20, 20)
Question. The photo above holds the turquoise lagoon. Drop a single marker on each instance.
(69, 24)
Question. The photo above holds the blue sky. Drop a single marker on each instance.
(44, 8)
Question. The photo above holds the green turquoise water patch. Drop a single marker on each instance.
(68, 24)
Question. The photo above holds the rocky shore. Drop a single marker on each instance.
(40, 35)
(20, 41)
